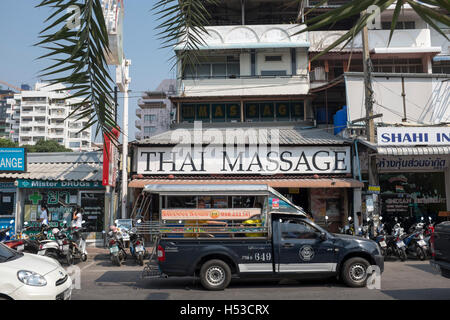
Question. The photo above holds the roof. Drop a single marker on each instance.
(263, 135)
(167, 187)
(414, 151)
(62, 166)
(274, 183)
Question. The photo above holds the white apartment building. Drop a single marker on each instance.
(155, 110)
(42, 114)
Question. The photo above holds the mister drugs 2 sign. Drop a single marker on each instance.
(411, 136)
(248, 160)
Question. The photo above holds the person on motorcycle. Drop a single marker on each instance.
(77, 222)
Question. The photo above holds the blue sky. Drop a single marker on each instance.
(21, 22)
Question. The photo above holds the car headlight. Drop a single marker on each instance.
(31, 278)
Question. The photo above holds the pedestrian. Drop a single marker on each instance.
(43, 218)
(77, 223)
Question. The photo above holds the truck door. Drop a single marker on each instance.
(300, 248)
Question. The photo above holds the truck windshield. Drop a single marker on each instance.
(278, 202)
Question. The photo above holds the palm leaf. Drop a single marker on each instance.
(430, 14)
(79, 61)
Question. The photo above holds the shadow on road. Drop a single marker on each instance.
(423, 267)
(419, 294)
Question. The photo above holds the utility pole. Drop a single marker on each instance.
(370, 124)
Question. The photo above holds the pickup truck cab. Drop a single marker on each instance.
(440, 248)
(285, 245)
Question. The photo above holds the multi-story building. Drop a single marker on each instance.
(410, 101)
(42, 114)
(5, 106)
(155, 110)
(251, 89)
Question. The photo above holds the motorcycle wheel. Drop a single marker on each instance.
(83, 257)
(69, 258)
(421, 254)
(402, 254)
(52, 255)
(140, 259)
(115, 260)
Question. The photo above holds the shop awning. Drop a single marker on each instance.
(60, 172)
(274, 183)
(414, 151)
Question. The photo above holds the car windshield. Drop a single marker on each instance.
(7, 254)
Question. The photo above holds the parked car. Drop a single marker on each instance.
(440, 248)
(25, 276)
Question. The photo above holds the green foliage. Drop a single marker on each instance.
(46, 146)
(429, 10)
(5, 143)
(79, 56)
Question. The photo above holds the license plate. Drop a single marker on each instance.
(41, 253)
(383, 244)
(20, 248)
(422, 243)
(400, 244)
(114, 249)
(140, 248)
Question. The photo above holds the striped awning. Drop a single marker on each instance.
(414, 151)
(274, 183)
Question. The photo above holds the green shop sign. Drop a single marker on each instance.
(38, 184)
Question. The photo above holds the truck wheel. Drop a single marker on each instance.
(215, 275)
(354, 272)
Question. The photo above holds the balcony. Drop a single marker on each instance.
(138, 124)
(245, 86)
(252, 37)
(138, 135)
(139, 113)
(403, 41)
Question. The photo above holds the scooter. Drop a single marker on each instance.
(116, 246)
(414, 241)
(137, 248)
(23, 243)
(78, 248)
(348, 228)
(396, 243)
(380, 238)
(6, 233)
(58, 249)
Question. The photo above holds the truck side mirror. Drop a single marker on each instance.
(323, 236)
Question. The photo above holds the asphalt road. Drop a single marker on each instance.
(100, 280)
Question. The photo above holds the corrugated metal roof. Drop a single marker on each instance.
(414, 151)
(269, 135)
(274, 183)
(60, 172)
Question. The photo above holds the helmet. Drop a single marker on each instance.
(55, 231)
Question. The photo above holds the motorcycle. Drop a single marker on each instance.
(23, 243)
(78, 248)
(58, 249)
(348, 228)
(396, 244)
(6, 233)
(137, 248)
(116, 246)
(380, 238)
(414, 241)
(429, 229)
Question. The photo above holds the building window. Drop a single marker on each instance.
(441, 67)
(386, 25)
(273, 73)
(149, 117)
(394, 65)
(74, 144)
(214, 67)
(273, 58)
(149, 130)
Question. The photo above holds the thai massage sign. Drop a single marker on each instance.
(209, 214)
(13, 160)
(412, 136)
(248, 159)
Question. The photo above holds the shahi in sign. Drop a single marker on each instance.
(201, 214)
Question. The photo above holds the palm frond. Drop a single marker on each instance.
(182, 26)
(79, 61)
(431, 11)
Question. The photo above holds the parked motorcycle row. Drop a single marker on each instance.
(116, 244)
(66, 246)
(397, 243)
